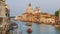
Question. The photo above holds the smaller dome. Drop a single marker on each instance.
(37, 10)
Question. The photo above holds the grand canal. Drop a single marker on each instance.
(36, 28)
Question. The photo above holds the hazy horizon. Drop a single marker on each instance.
(17, 7)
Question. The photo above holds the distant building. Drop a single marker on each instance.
(4, 17)
(37, 16)
(59, 15)
(58, 18)
(29, 9)
(53, 19)
(28, 15)
(44, 17)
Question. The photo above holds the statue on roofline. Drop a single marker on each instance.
(6, 6)
(2, 0)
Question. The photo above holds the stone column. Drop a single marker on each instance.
(3, 32)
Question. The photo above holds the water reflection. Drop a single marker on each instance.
(57, 31)
(47, 29)
(37, 29)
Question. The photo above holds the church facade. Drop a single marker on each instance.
(37, 16)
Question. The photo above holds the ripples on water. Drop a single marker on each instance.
(37, 29)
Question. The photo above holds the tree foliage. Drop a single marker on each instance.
(57, 13)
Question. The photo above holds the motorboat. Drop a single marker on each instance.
(29, 30)
(29, 24)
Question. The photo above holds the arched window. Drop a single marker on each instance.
(7, 14)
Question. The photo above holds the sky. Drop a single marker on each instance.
(17, 7)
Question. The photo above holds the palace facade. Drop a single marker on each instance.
(4, 17)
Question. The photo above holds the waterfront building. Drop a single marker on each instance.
(53, 17)
(36, 15)
(59, 15)
(4, 17)
(28, 15)
(56, 20)
(47, 18)
(44, 17)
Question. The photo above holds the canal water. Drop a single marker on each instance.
(36, 28)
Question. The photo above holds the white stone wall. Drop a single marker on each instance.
(2, 8)
(47, 20)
